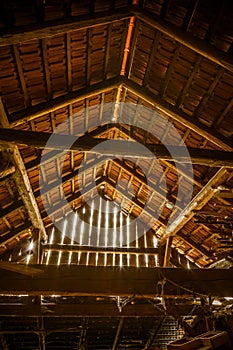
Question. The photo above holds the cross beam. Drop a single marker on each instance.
(76, 280)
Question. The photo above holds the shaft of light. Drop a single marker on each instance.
(121, 260)
(121, 229)
(106, 224)
(81, 232)
(136, 234)
(145, 240)
(156, 260)
(137, 260)
(155, 242)
(62, 241)
(113, 259)
(51, 242)
(105, 259)
(91, 222)
(146, 260)
(127, 224)
(74, 227)
(79, 257)
(87, 261)
(128, 259)
(114, 227)
(73, 234)
(96, 259)
(99, 223)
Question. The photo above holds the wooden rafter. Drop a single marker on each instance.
(197, 203)
(76, 280)
(22, 181)
(46, 29)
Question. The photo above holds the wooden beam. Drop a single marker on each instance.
(22, 182)
(121, 147)
(15, 232)
(153, 334)
(6, 171)
(168, 251)
(76, 280)
(84, 309)
(118, 332)
(63, 25)
(198, 45)
(197, 203)
(111, 250)
(62, 101)
(175, 113)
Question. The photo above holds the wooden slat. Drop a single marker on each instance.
(62, 101)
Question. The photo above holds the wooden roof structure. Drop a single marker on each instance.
(155, 73)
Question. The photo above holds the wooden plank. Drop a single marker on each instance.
(21, 75)
(119, 147)
(76, 280)
(62, 101)
(197, 203)
(175, 113)
(17, 35)
(198, 45)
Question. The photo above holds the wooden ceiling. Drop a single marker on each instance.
(86, 62)
(75, 60)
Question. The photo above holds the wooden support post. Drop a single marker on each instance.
(168, 252)
(118, 332)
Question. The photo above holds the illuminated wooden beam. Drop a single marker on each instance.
(111, 250)
(197, 203)
(119, 147)
(140, 282)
